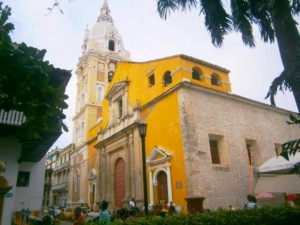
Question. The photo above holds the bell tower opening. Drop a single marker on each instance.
(111, 45)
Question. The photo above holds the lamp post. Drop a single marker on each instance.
(142, 127)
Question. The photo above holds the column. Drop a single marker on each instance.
(151, 187)
(170, 194)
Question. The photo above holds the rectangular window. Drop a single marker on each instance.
(23, 179)
(120, 108)
(151, 80)
(214, 150)
(218, 150)
(250, 146)
(249, 152)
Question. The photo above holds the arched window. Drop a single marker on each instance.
(167, 78)
(100, 92)
(196, 74)
(214, 80)
(111, 45)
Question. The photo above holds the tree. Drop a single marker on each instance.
(30, 85)
(274, 19)
(292, 147)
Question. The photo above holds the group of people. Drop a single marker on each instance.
(104, 216)
(170, 208)
(167, 208)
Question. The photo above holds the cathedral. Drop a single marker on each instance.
(202, 141)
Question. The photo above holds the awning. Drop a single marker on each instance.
(278, 183)
(279, 164)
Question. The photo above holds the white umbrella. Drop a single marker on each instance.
(278, 164)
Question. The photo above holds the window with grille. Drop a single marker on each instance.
(214, 150)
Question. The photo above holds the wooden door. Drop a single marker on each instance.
(119, 182)
(162, 185)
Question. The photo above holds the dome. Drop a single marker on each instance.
(104, 36)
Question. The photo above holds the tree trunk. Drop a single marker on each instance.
(288, 40)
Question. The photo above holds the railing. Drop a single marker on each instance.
(11, 117)
(61, 166)
(61, 186)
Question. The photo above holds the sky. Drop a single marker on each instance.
(146, 36)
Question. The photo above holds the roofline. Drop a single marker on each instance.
(187, 84)
(186, 57)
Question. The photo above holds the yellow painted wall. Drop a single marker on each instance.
(164, 131)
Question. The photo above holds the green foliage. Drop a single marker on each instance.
(27, 84)
(267, 215)
(243, 14)
(291, 147)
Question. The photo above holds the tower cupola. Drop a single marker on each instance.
(104, 36)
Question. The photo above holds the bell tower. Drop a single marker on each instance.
(102, 48)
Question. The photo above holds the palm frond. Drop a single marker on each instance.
(295, 6)
(290, 76)
(260, 9)
(277, 83)
(294, 119)
(217, 21)
(290, 148)
(165, 7)
(187, 4)
(242, 20)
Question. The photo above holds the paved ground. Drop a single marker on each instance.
(63, 222)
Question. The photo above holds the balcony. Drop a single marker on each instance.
(60, 187)
(32, 150)
(62, 166)
(11, 118)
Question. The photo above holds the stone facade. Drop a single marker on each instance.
(235, 122)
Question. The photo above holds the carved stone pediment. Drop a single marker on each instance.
(158, 156)
(116, 89)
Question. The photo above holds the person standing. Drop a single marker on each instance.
(104, 217)
(172, 208)
(78, 217)
(132, 204)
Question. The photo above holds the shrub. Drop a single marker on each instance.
(267, 215)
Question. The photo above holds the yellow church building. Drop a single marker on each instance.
(202, 140)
